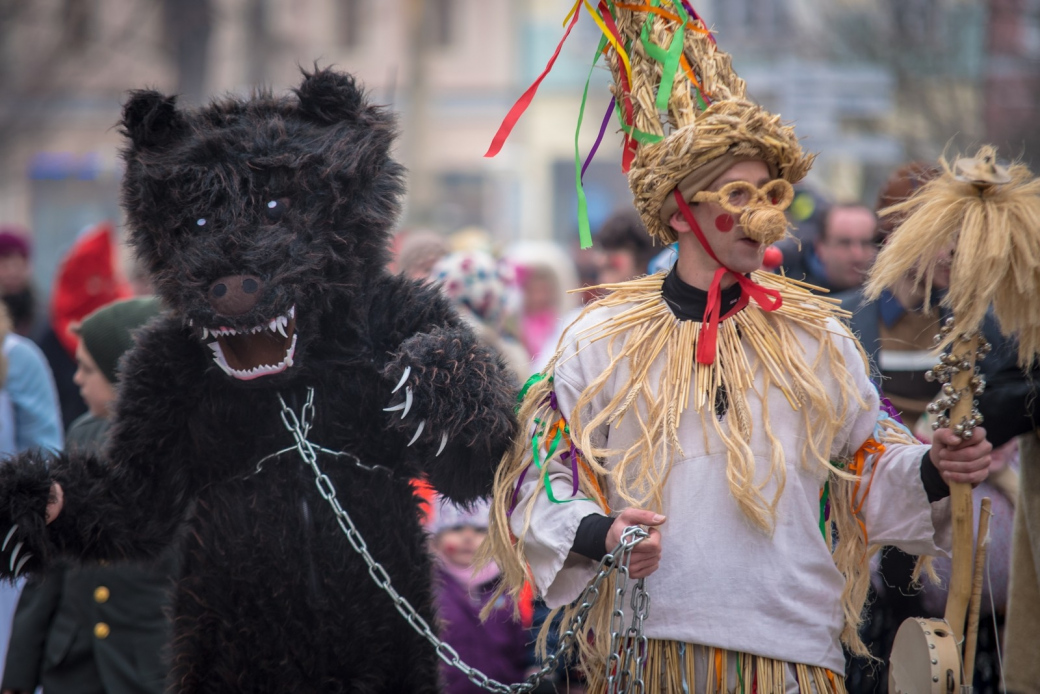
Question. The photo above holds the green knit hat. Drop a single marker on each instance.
(107, 333)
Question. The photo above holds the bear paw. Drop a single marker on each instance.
(25, 489)
(444, 384)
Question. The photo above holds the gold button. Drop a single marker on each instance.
(101, 630)
(101, 594)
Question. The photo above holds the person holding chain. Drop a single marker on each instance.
(727, 410)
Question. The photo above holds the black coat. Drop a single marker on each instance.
(96, 628)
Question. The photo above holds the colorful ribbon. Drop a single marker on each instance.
(867, 453)
(768, 299)
(525, 99)
(584, 229)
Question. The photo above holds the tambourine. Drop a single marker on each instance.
(925, 659)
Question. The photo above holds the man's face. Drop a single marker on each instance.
(849, 247)
(723, 230)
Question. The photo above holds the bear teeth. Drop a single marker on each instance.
(278, 325)
(256, 371)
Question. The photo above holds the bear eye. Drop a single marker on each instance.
(276, 209)
(201, 221)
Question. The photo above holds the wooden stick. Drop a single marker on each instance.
(960, 502)
(971, 637)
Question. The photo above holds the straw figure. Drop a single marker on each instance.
(728, 410)
(981, 220)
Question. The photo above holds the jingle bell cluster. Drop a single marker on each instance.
(958, 359)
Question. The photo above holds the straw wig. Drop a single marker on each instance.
(995, 228)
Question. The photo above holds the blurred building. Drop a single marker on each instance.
(1012, 84)
(869, 83)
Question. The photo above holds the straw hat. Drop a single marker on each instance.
(707, 123)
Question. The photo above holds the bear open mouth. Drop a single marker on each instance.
(250, 353)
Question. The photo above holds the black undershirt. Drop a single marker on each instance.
(688, 303)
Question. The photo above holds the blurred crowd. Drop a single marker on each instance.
(80, 630)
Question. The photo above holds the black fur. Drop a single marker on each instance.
(272, 596)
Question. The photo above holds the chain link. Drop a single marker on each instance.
(617, 561)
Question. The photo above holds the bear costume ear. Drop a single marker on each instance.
(151, 120)
(330, 97)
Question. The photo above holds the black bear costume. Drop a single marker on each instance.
(265, 225)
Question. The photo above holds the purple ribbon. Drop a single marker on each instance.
(599, 138)
(889, 408)
(516, 492)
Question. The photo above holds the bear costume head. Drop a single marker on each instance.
(227, 205)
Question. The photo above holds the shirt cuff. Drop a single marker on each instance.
(591, 539)
(934, 485)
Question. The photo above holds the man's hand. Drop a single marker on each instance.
(961, 461)
(55, 502)
(646, 555)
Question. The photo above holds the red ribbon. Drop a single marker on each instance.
(628, 151)
(768, 299)
(525, 99)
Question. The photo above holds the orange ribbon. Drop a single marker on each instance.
(869, 448)
(661, 12)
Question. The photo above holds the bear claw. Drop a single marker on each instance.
(444, 442)
(21, 564)
(10, 534)
(418, 431)
(404, 377)
(14, 554)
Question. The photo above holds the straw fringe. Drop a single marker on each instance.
(996, 232)
(671, 669)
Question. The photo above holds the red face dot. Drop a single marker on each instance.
(724, 222)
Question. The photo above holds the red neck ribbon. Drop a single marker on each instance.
(768, 299)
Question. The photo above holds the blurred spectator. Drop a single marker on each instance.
(15, 279)
(623, 248)
(471, 239)
(101, 628)
(473, 280)
(29, 419)
(846, 248)
(897, 330)
(622, 251)
(546, 274)
(497, 646)
(86, 280)
(417, 253)
(805, 215)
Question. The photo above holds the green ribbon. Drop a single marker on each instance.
(584, 229)
(824, 497)
(669, 58)
(537, 459)
(528, 385)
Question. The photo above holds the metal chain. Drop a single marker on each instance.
(615, 561)
(627, 644)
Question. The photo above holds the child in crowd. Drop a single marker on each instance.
(498, 647)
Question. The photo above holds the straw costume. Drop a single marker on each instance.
(745, 415)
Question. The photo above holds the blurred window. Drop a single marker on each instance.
(444, 18)
(351, 21)
(78, 22)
